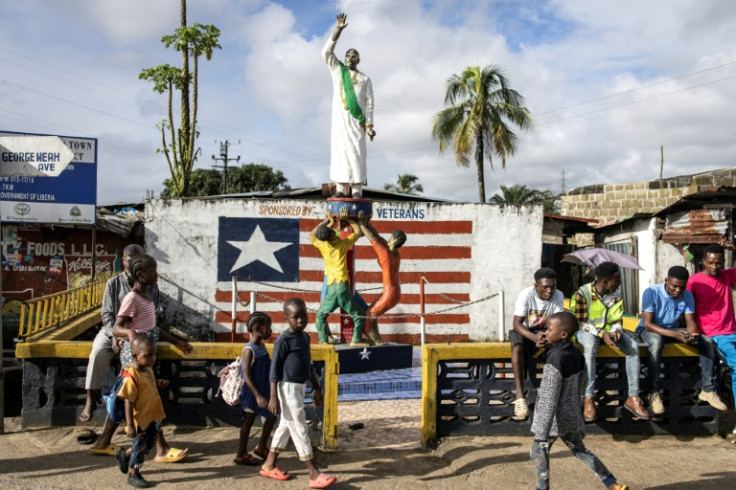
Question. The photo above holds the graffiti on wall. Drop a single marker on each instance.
(41, 260)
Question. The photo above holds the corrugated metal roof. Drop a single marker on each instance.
(316, 193)
(562, 217)
(696, 226)
(118, 223)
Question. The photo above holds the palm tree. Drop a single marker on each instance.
(405, 184)
(481, 106)
(521, 194)
(515, 194)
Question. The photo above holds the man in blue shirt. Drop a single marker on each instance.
(663, 306)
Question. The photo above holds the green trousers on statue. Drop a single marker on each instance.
(339, 294)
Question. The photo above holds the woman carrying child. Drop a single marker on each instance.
(137, 316)
(256, 384)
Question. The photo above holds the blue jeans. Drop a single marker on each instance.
(540, 459)
(143, 442)
(726, 345)
(654, 355)
(627, 345)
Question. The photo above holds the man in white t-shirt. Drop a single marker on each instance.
(533, 305)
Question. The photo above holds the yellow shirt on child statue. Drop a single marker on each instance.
(335, 256)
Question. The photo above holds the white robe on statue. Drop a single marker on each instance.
(347, 144)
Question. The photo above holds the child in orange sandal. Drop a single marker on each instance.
(290, 368)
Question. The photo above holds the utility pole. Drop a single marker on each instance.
(661, 164)
(223, 156)
(562, 183)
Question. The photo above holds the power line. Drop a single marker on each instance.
(653, 84)
(624, 104)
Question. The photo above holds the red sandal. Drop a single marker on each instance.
(276, 474)
(323, 481)
(246, 460)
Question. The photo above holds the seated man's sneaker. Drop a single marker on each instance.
(636, 406)
(712, 398)
(521, 410)
(655, 403)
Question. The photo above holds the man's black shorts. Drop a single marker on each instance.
(530, 348)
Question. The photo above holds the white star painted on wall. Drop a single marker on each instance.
(365, 354)
(258, 248)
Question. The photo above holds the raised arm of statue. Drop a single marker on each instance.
(366, 227)
(328, 52)
(341, 24)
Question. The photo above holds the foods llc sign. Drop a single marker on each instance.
(47, 179)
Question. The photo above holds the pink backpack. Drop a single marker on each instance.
(231, 383)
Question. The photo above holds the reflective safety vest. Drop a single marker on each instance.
(600, 315)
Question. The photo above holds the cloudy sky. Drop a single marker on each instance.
(607, 82)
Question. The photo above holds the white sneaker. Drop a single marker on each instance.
(713, 399)
(655, 403)
(521, 409)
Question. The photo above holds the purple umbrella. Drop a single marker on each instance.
(593, 257)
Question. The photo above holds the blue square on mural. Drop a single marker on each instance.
(261, 249)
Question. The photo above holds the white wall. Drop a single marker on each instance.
(506, 245)
(644, 230)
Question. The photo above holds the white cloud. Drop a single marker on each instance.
(604, 81)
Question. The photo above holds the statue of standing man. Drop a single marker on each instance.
(352, 116)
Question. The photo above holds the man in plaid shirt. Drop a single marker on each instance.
(599, 307)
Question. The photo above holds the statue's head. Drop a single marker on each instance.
(352, 58)
(398, 238)
(324, 233)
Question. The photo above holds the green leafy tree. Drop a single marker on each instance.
(515, 194)
(550, 200)
(180, 151)
(252, 177)
(520, 194)
(477, 122)
(405, 184)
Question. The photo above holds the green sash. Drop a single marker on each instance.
(349, 93)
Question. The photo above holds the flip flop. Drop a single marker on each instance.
(246, 460)
(123, 460)
(110, 450)
(275, 474)
(87, 436)
(172, 456)
(323, 481)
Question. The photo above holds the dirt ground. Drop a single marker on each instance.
(385, 454)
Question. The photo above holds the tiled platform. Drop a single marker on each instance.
(390, 384)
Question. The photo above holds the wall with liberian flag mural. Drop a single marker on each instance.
(466, 253)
